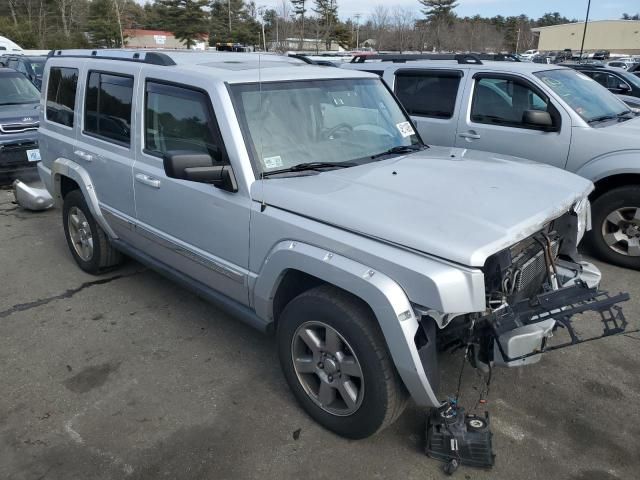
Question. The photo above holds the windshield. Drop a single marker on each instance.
(328, 121)
(37, 65)
(584, 95)
(631, 78)
(16, 89)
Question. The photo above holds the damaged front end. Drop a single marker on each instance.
(534, 289)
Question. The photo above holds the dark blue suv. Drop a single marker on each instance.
(19, 118)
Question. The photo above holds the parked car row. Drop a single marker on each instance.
(545, 113)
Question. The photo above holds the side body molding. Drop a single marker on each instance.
(386, 298)
(63, 167)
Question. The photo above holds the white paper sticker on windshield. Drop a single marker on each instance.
(273, 162)
(405, 128)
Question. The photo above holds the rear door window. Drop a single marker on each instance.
(108, 107)
(428, 93)
(61, 95)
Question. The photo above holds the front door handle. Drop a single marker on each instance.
(471, 135)
(147, 180)
(84, 155)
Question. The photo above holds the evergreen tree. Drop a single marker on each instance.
(327, 11)
(186, 19)
(439, 13)
(102, 25)
(233, 25)
(299, 9)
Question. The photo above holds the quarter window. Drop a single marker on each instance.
(107, 111)
(428, 94)
(501, 101)
(178, 118)
(61, 95)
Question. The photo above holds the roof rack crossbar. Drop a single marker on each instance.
(152, 58)
(408, 57)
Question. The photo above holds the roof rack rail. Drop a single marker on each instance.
(408, 57)
(152, 58)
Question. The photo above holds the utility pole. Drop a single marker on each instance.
(584, 33)
(229, 8)
(357, 17)
(518, 42)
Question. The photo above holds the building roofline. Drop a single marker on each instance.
(537, 29)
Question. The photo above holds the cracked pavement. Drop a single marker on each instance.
(128, 376)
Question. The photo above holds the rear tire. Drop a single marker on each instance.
(615, 235)
(347, 382)
(87, 242)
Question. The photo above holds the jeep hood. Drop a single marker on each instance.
(457, 204)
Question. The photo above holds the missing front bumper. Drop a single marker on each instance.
(517, 335)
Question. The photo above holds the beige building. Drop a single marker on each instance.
(617, 36)
(137, 38)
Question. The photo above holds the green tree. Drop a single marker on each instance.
(299, 10)
(233, 25)
(327, 11)
(186, 19)
(102, 25)
(439, 13)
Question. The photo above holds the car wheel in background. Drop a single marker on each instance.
(615, 235)
(88, 243)
(335, 360)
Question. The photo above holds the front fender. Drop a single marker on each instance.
(384, 296)
(616, 163)
(63, 167)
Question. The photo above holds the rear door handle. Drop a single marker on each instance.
(147, 180)
(84, 155)
(470, 135)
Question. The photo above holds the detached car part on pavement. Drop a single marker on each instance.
(301, 199)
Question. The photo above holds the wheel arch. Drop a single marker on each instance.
(291, 262)
(67, 176)
(610, 182)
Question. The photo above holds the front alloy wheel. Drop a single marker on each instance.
(327, 368)
(621, 231)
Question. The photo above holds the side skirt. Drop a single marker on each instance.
(232, 307)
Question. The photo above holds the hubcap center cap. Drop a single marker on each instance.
(330, 366)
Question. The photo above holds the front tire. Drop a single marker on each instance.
(336, 362)
(87, 242)
(616, 226)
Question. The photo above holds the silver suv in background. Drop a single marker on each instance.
(301, 199)
(19, 102)
(546, 113)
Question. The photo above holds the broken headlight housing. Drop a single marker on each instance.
(582, 210)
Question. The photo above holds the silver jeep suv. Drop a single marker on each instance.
(301, 199)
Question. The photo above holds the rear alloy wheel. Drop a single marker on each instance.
(87, 242)
(616, 226)
(335, 360)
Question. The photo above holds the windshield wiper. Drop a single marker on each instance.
(399, 149)
(604, 118)
(315, 166)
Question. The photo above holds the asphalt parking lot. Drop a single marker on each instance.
(129, 376)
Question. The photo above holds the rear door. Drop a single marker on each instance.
(432, 98)
(492, 119)
(105, 143)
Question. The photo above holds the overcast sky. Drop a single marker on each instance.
(600, 9)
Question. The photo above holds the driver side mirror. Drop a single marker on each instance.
(199, 167)
(623, 87)
(538, 119)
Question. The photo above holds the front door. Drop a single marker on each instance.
(196, 228)
(493, 120)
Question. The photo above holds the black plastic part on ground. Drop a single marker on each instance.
(458, 438)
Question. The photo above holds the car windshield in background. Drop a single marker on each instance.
(337, 122)
(15, 89)
(631, 78)
(37, 65)
(584, 95)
